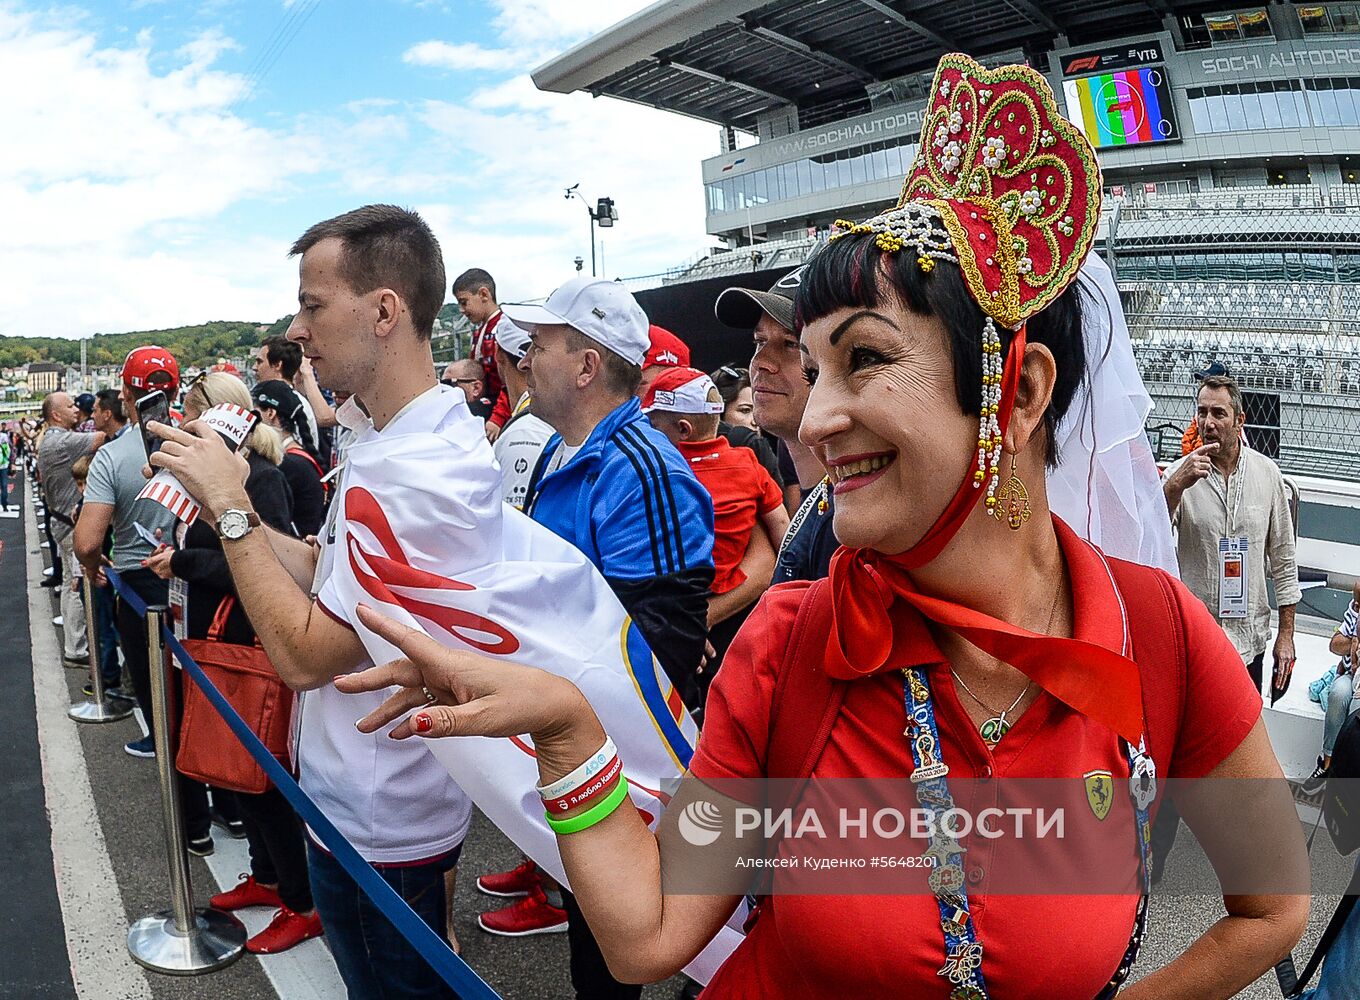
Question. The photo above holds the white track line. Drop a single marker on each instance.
(91, 907)
(306, 972)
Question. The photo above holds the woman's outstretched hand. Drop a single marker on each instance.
(473, 695)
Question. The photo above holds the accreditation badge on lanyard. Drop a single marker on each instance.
(179, 594)
(1232, 577)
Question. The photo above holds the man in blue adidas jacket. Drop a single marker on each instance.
(618, 490)
(607, 481)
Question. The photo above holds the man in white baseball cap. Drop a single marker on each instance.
(647, 524)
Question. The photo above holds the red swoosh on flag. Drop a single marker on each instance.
(393, 570)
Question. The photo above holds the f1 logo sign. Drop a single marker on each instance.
(1082, 64)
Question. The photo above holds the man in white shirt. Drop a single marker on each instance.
(522, 439)
(365, 321)
(1229, 505)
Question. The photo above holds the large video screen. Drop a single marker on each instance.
(1124, 108)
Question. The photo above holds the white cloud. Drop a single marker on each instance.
(135, 198)
(516, 222)
(462, 56)
(521, 228)
(555, 21)
(111, 153)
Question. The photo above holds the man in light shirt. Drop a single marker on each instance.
(1230, 507)
(521, 441)
(371, 283)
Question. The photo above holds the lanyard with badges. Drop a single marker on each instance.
(1231, 511)
(1232, 550)
(963, 951)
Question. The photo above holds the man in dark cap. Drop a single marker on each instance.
(780, 394)
(1190, 440)
(85, 404)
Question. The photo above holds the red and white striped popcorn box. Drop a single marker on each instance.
(234, 424)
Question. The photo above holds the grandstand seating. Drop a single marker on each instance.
(1237, 198)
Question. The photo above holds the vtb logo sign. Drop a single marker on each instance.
(1082, 64)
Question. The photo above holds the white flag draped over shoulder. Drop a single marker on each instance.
(422, 534)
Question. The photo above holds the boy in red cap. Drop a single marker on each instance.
(684, 404)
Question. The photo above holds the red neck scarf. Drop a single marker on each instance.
(865, 584)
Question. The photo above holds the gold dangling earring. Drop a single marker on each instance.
(1012, 504)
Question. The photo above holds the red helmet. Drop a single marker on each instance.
(152, 367)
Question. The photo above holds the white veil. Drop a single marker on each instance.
(1107, 486)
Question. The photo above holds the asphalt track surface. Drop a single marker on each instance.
(56, 932)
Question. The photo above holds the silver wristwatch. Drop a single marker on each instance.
(234, 525)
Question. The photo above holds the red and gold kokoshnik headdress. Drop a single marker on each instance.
(1007, 189)
(1015, 185)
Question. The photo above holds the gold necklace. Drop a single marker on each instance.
(997, 725)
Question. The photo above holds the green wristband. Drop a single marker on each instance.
(593, 815)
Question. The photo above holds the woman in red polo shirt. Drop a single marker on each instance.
(963, 633)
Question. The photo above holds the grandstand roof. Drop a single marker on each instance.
(728, 61)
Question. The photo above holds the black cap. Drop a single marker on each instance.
(1212, 370)
(740, 308)
(85, 402)
(276, 394)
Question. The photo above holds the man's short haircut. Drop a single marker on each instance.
(111, 400)
(474, 278)
(279, 350)
(387, 247)
(466, 368)
(47, 403)
(1224, 382)
(621, 377)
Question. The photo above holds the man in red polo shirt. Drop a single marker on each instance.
(475, 291)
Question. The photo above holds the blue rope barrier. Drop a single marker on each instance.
(450, 966)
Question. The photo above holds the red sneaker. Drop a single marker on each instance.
(284, 931)
(515, 882)
(531, 915)
(248, 892)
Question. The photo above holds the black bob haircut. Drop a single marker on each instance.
(852, 273)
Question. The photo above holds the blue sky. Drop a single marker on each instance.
(168, 152)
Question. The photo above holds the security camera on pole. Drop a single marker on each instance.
(603, 213)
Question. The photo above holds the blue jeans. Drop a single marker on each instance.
(4, 488)
(1338, 710)
(1341, 967)
(373, 958)
(109, 667)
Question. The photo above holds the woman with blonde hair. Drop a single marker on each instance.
(216, 388)
(278, 858)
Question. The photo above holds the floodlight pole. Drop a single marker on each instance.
(595, 216)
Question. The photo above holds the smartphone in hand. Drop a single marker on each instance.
(154, 407)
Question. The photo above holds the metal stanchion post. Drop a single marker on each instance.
(181, 941)
(101, 707)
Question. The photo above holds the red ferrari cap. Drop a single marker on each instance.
(152, 367)
(666, 349)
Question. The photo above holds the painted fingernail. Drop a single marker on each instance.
(422, 723)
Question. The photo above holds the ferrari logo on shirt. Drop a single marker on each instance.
(1099, 792)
